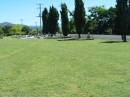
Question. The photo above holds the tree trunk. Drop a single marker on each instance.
(79, 35)
(123, 36)
(125, 40)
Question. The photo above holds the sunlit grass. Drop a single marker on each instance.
(51, 68)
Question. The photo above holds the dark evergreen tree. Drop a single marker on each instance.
(128, 17)
(79, 17)
(45, 21)
(121, 18)
(128, 3)
(64, 19)
(53, 20)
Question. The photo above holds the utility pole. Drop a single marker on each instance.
(36, 27)
(21, 21)
(40, 16)
(62, 1)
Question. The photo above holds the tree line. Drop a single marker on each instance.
(100, 20)
(16, 29)
(50, 19)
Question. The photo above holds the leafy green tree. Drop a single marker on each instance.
(72, 26)
(16, 29)
(90, 26)
(45, 21)
(101, 19)
(33, 32)
(1, 32)
(112, 17)
(7, 30)
(121, 18)
(26, 30)
(79, 17)
(53, 20)
(65, 19)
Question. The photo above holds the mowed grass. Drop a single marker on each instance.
(51, 68)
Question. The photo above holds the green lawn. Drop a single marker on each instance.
(51, 68)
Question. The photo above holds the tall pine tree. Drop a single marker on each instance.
(128, 17)
(64, 19)
(121, 18)
(53, 20)
(45, 21)
(79, 17)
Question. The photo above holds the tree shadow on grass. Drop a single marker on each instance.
(73, 39)
(112, 42)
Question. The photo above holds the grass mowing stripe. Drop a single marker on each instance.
(51, 68)
(19, 50)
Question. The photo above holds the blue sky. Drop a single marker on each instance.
(15, 10)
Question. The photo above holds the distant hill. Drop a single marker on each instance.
(35, 27)
(6, 23)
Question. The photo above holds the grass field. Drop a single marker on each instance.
(51, 68)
